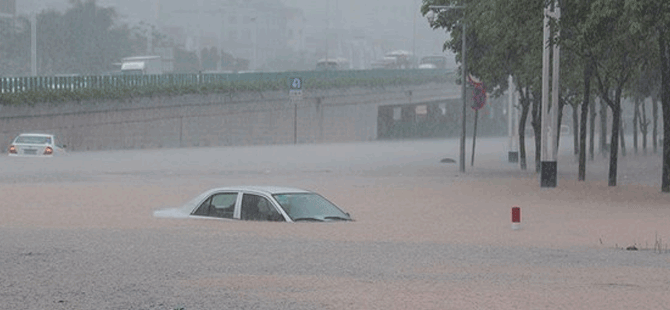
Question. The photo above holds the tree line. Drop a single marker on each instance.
(89, 40)
(610, 50)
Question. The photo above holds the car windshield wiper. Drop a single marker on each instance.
(337, 218)
(310, 219)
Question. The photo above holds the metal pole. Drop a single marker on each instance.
(474, 139)
(415, 11)
(548, 166)
(463, 82)
(510, 96)
(555, 91)
(512, 152)
(33, 44)
(545, 87)
(181, 131)
(256, 54)
(463, 96)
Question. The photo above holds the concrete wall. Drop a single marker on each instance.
(338, 115)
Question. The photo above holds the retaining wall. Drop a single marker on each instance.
(336, 115)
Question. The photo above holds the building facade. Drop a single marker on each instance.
(259, 31)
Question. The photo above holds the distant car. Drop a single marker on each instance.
(35, 144)
(258, 203)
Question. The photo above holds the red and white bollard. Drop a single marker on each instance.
(516, 218)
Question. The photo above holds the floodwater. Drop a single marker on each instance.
(76, 232)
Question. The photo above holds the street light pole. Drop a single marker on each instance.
(33, 44)
(549, 132)
(255, 20)
(463, 81)
(463, 96)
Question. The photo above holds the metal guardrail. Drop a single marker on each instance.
(72, 83)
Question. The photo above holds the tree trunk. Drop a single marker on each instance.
(537, 130)
(665, 105)
(636, 117)
(654, 130)
(644, 126)
(592, 129)
(561, 105)
(575, 129)
(622, 134)
(614, 141)
(523, 163)
(582, 126)
(603, 129)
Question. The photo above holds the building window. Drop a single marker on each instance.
(397, 113)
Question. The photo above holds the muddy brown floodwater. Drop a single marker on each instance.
(77, 232)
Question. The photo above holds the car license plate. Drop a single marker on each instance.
(30, 152)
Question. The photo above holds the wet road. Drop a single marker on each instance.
(77, 232)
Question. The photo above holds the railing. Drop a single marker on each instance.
(13, 85)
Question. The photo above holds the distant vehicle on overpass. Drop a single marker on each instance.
(396, 60)
(139, 65)
(433, 62)
(332, 64)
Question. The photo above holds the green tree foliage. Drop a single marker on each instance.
(83, 40)
(650, 18)
(606, 46)
(503, 38)
(86, 40)
(210, 58)
(14, 42)
(185, 61)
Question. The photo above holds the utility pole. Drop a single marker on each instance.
(463, 81)
(549, 167)
(33, 44)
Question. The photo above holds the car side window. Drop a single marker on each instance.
(203, 209)
(258, 208)
(218, 205)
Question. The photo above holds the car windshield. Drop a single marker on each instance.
(310, 207)
(33, 139)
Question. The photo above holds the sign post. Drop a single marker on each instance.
(295, 96)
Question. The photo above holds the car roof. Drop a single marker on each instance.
(269, 190)
(36, 134)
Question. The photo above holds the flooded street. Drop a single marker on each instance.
(77, 231)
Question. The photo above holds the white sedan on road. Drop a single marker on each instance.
(259, 203)
(35, 144)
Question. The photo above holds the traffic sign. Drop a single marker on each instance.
(295, 91)
(295, 94)
(296, 83)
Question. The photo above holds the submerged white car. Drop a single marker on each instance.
(258, 203)
(35, 144)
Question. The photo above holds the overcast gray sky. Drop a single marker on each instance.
(377, 18)
(398, 21)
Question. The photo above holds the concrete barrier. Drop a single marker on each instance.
(245, 118)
